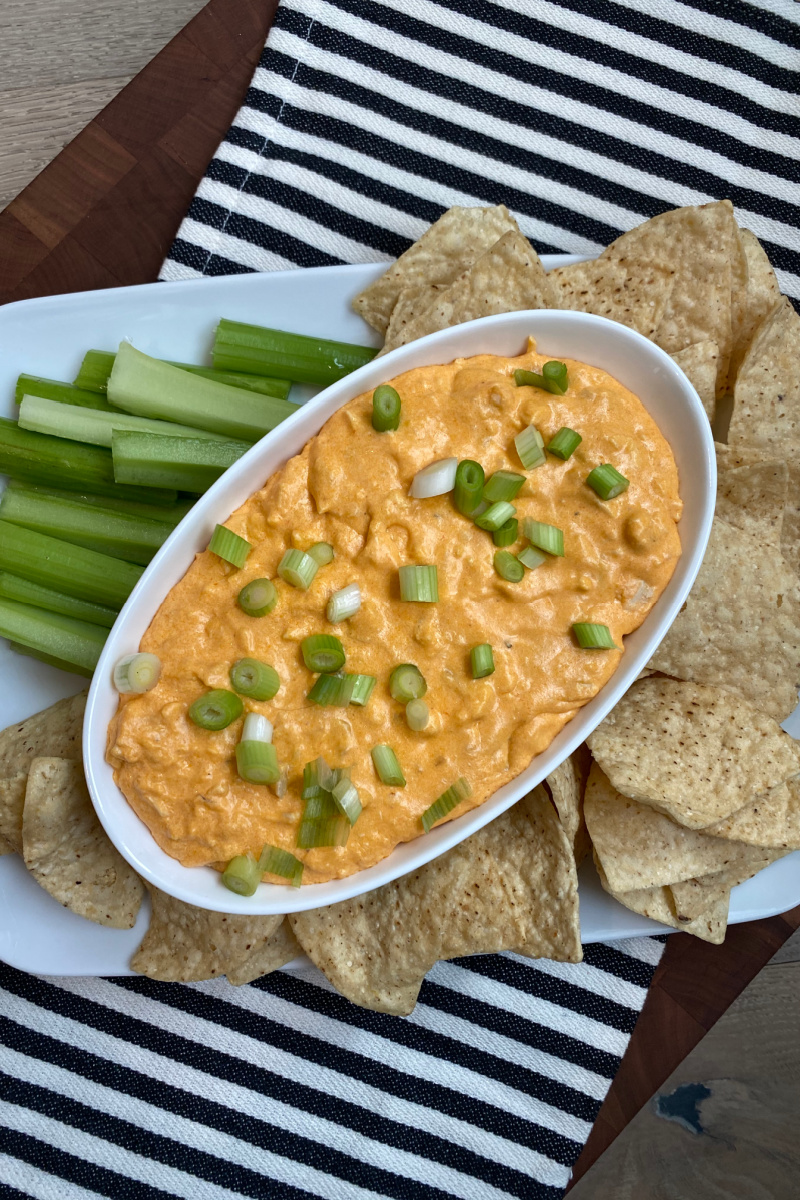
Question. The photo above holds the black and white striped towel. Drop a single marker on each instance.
(365, 119)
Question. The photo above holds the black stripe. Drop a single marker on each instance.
(547, 987)
(740, 12)
(258, 233)
(405, 1033)
(67, 1166)
(624, 966)
(200, 259)
(541, 122)
(11, 1193)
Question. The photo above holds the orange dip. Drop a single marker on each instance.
(350, 487)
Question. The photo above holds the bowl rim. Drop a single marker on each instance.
(166, 873)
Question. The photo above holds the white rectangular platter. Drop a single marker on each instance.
(48, 337)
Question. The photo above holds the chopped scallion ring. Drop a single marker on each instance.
(545, 537)
(387, 766)
(385, 408)
(507, 534)
(317, 779)
(437, 479)
(502, 485)
(274, 861)
(531, 558)
(460, 790)
(322, 652)
(363, 688)
(322, 553)
(508, 567)
(216, 709)
(530, 448)
(419, 584)
(258, 597)
(256, 728)
(482, 661)
(242, 875)
(564, 443)
(229, 546)
(345, 795)
(254, 679)
(552, 379)
(407, 682)
(469, 486)
(417, 715)
(607, 482)
(495, 516)
(332, 690)
(323, 831)
(257, 762)
(593, 637)
(344, 604)
(298, 569)
(137, 673)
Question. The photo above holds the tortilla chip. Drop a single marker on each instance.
(790, 531)
(766, 412)
(761, 295)
(696, 753)
(773, 820)
(275, 952)
(507, 277)
(693, 897)
(69, 853)
(658, 904)
(510, 886)
(184, 944)
(445, 249)
(700, 364)
(566, 785)
(740, 626)
(753, 496)
(55, 732)
(632, 293)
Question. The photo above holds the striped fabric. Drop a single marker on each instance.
(128, 1088)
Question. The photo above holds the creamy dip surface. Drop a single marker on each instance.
(350, 487)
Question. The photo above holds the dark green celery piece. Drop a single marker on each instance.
(122, 535)
(256, 350)
(97, 364)
(169, 516)
(40, 459)
(64, 393)
(150, 388)
(50, 659)
(66, 568)
(12, 587)
(72, 642)
(151, 460)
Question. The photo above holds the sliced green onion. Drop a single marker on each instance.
(344, 604)
(322, 652)
(545, 537)
(216, 709)
(468, 486)
(387, 766)
(593, 637)
(317, 779)
(298, 569)
(495, 516)
(137, 673)
(437, 479)
(332, 690)
(242, 875)
(482, 661)
(258, 597)
(417, 715)
(385, 408)
(531, 558)
(607, 482)
(507, 534)
(257, 762)
(552, 379)
(347, 800)
(229, 546)
(407, 682)
(323, 831)
(508, 567)
(362, 689)
(460, 790)
(419, 584)
(502, 485)
(256, 728)
(322, 553)
(564, 443)
(340, 773)
(255, 679)
(322, 806)
(530, 448)
(274, 861)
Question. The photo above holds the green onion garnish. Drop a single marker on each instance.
(333, 690)
(242, 875)
(258, 597)
(257, 762)
(298, 569)
(552, 379)
(256, 729)
(495, 516)
(321, 807)
(530, 448)
(507, 534)
(482, 661)
(321, 552)
(469, 486)
(564, 444)
(137, 673)
(229, 546)
(317, 779)
(407, 682)
(344, 604)
(322, 652)
(593, 637)
(531, 558)
(503, 485)
(607, 481)
(387, 766)
(508, 567)
(417, 715)
(460, 790)
(274, 861)
(385, 408)
(216, 709)
(323, 831)
(363, 687)
(254, 679)
(419, 584)
(346, 798)
(545, 537)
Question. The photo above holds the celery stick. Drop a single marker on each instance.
(169, 516)
(149, 459)
(64, 393)
(51, 660)
(150, 388)
(88, 425)
(122, 535)
(75, 642)
(254, 349)
(40, 459)
(66, 568)
(12, 587)
(97, 364)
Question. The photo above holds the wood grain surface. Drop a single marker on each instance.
(104, 213)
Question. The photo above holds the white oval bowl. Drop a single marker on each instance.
(638, 364)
